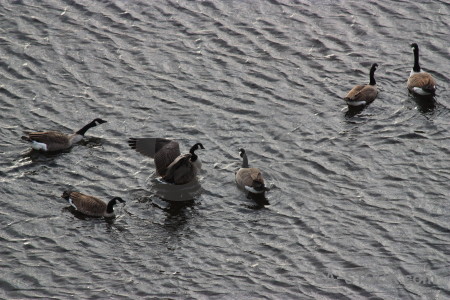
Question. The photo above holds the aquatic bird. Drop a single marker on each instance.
(250, 179)
(419, 82)
(55, 140)
(363, 94)
(90, 205)
(170, 164)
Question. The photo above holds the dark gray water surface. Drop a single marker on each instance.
(358, 207)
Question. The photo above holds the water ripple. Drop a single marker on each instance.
(358, 204)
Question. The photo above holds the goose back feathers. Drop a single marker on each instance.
(419, 82)
(251, 179)
(170, 164)
(181, 170)
(90, 205)
(55, 140)
(363, 94)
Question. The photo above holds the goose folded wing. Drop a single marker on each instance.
(368, 93)
(48, 137)
(422, 80)
(353, 92)
(256, 175)
(245, 177)
(85, 203)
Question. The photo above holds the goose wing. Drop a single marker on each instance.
(49, 137)
(163, 151)
(367, 93)
(86, 204)
(422, 80)
(353, 92)
(249, 176)
(151, 146)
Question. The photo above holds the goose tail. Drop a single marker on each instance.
(424, 91)
(257, 190)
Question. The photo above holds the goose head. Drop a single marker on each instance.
(194, 158)
(374, 67)
(110, 207)
(98, 121)
(117, 199)
(66, 195)
(196, 147)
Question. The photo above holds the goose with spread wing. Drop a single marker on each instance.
(170, 164)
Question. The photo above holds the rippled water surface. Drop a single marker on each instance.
(358, 207)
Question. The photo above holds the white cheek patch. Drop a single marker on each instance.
(71, 203)
(38, 146)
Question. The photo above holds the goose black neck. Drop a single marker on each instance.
(83, 130)
(194, 156)
(372, 76)
(110, 206)
(244, 160)
(416, 67)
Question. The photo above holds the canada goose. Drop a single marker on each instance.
(91, 206)
(250, 179)
(419, 82)
(363, 94)
(55, 140)
(170, 164)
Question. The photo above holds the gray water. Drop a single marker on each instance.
(358, 207)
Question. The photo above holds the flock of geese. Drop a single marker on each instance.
(176, 168)
(419, 83)
(172, 166)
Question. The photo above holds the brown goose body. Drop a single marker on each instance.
(422, 84)
(55, 140)
(419, 82)
(89, 205)
(250, 179)
(52, 140)
(363, 94)
(170, 164)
